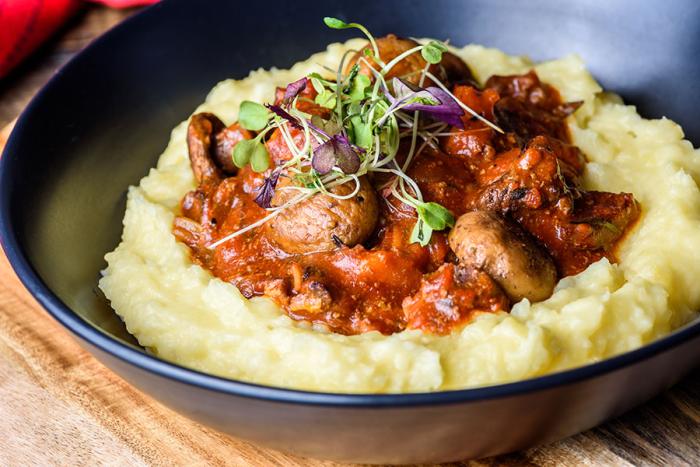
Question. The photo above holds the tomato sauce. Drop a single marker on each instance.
(531, 174)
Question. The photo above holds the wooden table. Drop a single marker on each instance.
(59, 406)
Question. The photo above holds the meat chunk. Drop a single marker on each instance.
(452, 69)
(537, 177)
(312, 297)
(486, 241)
(529, 108)
(586, 234)
(451, 296)
(210, 145)
(323, 223)
(200, 143)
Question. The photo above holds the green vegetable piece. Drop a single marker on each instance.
(318, 85)
(359, 85)
(436, 216)
(242, 152)
(260, 159)
(421, 233)
(253, 116)
(432, 51)
(335, 23)
(362, 132)
(326, 99)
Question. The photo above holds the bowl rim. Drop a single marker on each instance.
(130, 354)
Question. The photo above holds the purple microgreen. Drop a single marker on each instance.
(267, 190)
(336, 151)
(346, 158)
(279, 111)
(293, 90)
(433, 101)
(324, 157)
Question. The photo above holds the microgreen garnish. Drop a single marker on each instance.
(432, 100)
(253, 116)
(431, 216)
(267, 190)
(356, 130)
(251, 151)
(432, 52)
(293, 90)
(293, 121)
(335, 152)
(335, 23)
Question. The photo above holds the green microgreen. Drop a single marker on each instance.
(358, 90)
(432, 51)
(326, 99)
(253, 116)
(421, 233)
(335, 23)
(253, 152)
(260, 159)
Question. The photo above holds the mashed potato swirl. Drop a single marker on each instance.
(182, 313)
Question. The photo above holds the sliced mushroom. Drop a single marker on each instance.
(323, 223)
(486, 241)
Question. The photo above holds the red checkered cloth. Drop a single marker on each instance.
(25, 24)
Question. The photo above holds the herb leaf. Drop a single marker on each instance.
(279, 111)
(431, 216)
(242, 152)
(421, 233)
(436, 216)
(326, 99)
(335, 151)
(432, 101)
(293, 90)
(362, 132)
(253, 116)
(335, 23)
(432, 52)
(267, 190)
(359, 84)
(260, 159)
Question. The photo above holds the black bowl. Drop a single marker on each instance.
(102, 120)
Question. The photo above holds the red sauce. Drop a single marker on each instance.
(530, 174)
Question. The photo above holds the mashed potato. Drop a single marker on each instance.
(181, 313)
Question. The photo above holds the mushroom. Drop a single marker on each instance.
(322, 222)
(487, 241)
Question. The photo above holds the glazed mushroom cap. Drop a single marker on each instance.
(324, 223)
(485, 240)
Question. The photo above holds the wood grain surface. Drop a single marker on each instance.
(59, 406)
